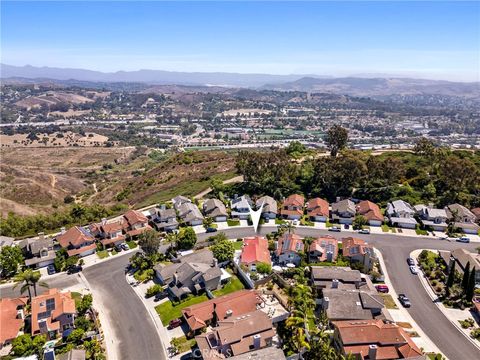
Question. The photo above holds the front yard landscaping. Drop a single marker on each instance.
(279, 221)
(182, 344)
(389, 302)
(169, 311)
(237, 245)
(233, 222)
(102, 254)
(132, 244)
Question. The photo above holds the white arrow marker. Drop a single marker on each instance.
(255, 216)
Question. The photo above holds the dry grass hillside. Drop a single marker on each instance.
(37, 180)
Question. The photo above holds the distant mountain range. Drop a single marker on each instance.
(356, 86)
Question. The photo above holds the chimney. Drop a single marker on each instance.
(62, 230)
(215, 262)
(256, 341)
(41, 235)
(334, 284)
(325, 303)
(372, 352)
(329, 256)
(228, 313)
(104, 221)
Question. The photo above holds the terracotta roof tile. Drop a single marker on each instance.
(255, 250)
(63, 303)
(10, 324)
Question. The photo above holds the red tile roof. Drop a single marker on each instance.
(391, 340)
(320, 244)
(294, 200)
(239, 302)
(133, 217)
(136, 232)
(476, 212)
(317, 207)
(63, 304)
(10, 324)
(75, 236)
(112, 226)
(369, 210)
(350, 243)
(289, 242)
(255, 250)
(81, 249)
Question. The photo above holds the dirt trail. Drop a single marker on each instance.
(235, 179)
(53, 181)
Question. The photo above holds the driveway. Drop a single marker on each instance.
(134, 330)
(395, 250)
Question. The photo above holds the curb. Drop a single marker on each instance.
(434, 298)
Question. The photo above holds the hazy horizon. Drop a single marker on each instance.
(427, 40)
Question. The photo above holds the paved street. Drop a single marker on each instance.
(395, 250)
(134, 329)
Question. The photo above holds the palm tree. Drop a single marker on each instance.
(290, 227)
(29, 278)
(308, 242)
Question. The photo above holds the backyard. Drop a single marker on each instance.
(169, 311)
(233, 285)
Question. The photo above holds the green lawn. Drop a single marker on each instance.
(168, 311)
(233, 222)
(77, 297)
(238, 245)
(132, 244)
(279, 221)
(233, 285)
(421, 232)
(103, 254)
(389, 302)
(183, 344)
(328, 224)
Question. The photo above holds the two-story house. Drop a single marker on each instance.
(165, 219)
(463, 218)
(292, 208)
(111, 232)
(289, 249)
(318, 210)
(12, 318)
(401, 214)
(240, 207)
(135, 223)
(371, 212)
(324, 248)
(215, 209)
(357, 250)
(77, 240)
(343, 211)
(190, 214)
(39, 251)
(254, 252)
(432, 218)
(269, 210)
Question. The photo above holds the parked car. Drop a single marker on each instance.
(160, 296)
(413, 270)
(125, 246)
(118, 248)
(51, 269)
(335, 228)
(174, 323)
(410, 261)
(74, 269)
(364, 231)
(463, 239)
(346, 226)
(211, 230)
(382, 288)
(404, 300)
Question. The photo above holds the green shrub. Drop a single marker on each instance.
(153, 290)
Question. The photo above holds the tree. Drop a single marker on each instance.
(223, 250)
(24, 345)
(424, 147)
(149, 242)
(264, 268)
(450, 279)
(207, 222)
(466, 276)
(308, 241)
(93, 350)
(76, 336)
(10, 259)
(85, 304)
(337, 139)
(471, 286)
(187, 238)
(359, 222)
(28, 278)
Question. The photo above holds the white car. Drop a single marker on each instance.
(364, 231)
(413, 270)
(335, 228)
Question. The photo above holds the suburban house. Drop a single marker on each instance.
(343, 211)
(268, 353)
(324, 248)
(190, 214)
(374, 339)
(289, 247)
(463, 257)
(255, 251)
(11, 318)
(111, 232)
(52, 313)
(240, 207)
(401, 214)
(179, 200)
(77, 241)
(292, 208)
(39, 251)
(269, 210)
(357, 250)
(207, 313)
(164, 273)
(476, 212)
(165, 219)
(136, 223)
(431, 217)
(335, 277)
(215, 209)
(464, 219)
(318, 210)
(74, 354)
(371, 212)
(237, 335)
(6, 241)
(352, 305)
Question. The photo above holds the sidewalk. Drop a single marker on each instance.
(402, 315)
(451, 314)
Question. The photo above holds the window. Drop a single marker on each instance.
(51, 304)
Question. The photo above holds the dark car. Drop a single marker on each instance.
(51, 269)
(346, 226)
(382, 288)
(174, 323)
(160, 296)
(74, 269)
(410, 261)
(125, 246)
(187, 356)
(211, 229)
(404, 300)
(118, 248)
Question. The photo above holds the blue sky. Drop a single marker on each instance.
(439, 40)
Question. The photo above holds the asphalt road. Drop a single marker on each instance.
(395, 250)
(134, 329)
